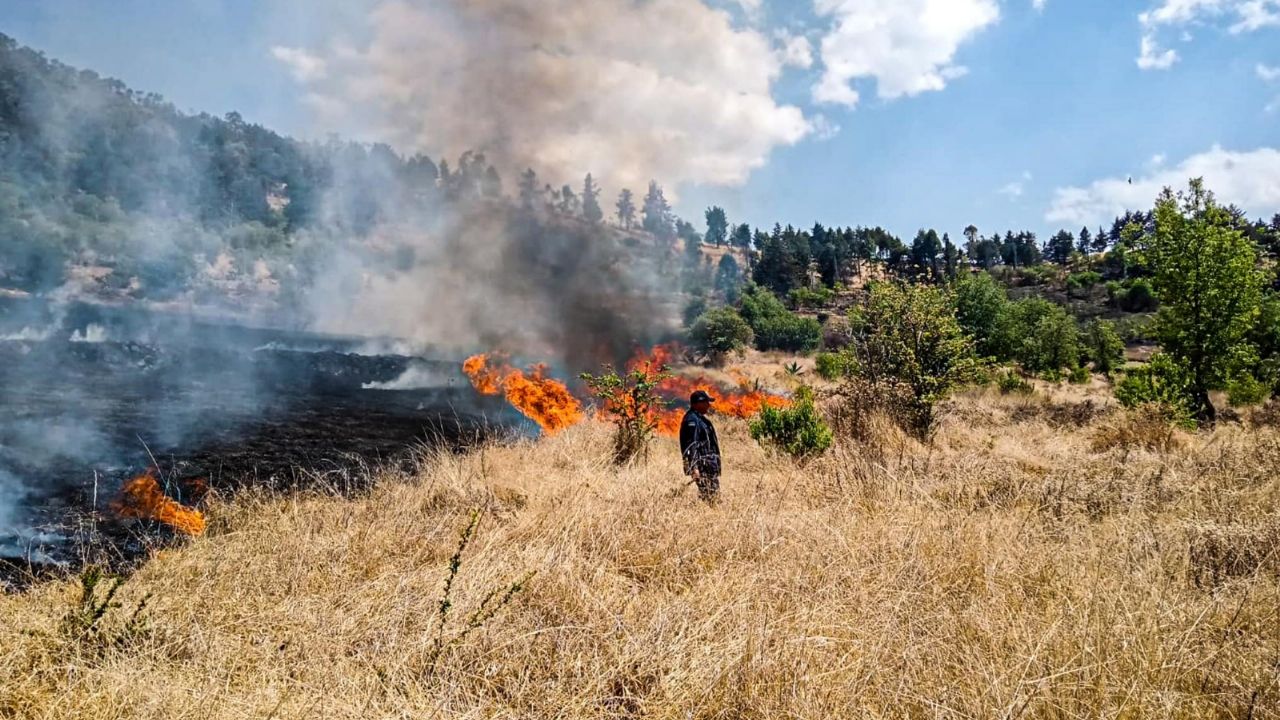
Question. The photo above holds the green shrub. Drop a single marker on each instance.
(797, 430)
(810, 299)
(790, 333)
(777, 328)
(632, 403)
(1134, 296)
(1103, 346)
(833, 366)
(1040, 335)
(1079, 376)
(1163, 382)
(720, 332)
(979, 304)
(1083, 280)
(1244, 390)
(910, 346)
(1011, 383)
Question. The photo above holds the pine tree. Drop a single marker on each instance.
(626, 209)
(656, 214)
(1085, 243)
(591, 201)
(717, 226)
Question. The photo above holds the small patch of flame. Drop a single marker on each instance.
(142, 497)
(544, 400)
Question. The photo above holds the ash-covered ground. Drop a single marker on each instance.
(91, 396)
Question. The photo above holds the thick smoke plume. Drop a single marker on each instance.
(630, 91)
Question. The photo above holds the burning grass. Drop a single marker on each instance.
(1009, 570)
(142, 498)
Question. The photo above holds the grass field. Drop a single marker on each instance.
(1046, 557)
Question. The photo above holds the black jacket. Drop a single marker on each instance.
(699, 445)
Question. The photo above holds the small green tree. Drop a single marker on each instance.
(1103, 346)
(719, 332)
(797, 429)
(1206, 274)
(632, 401)
(909, 342)
(1040, 335)
(980, 302)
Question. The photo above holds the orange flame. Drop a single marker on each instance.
(549, 403)
(746, 402)
(543, 400)
(142, 497)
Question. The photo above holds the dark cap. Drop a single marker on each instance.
(700, 396)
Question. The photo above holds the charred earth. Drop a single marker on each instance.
(93, 396)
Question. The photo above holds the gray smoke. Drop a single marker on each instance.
(630, 91)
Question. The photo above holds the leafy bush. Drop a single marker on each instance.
(911, 345)
(791, 334)
(1162, 382)
(777, 328)
(720, 332)
(833, 366)
(1040, 335)
(1079, 376)
(1244, 390)
(810, 299)
(1011, 383)
(1135, 296)
(979, 303)
(1103, 346)
(797, 430)
(1083, 280)
(632, 402)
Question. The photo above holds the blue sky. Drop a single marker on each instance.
(1050, 117)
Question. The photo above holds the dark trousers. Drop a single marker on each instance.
(708, 485)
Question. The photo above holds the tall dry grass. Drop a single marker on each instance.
(1016, 568)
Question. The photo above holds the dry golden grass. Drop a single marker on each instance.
(1007, 571)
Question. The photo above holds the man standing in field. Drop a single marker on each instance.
(700, 447)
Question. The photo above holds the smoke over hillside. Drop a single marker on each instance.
(666, 89)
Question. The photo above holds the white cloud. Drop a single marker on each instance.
(1268, 73)
(666, 89)
(1038, 5)
(1248, 179)
(1242, 16)
(1013, 190)
(1153, 58)
(1017, 188)
(796, 50)
(304, 66)
(907, 46)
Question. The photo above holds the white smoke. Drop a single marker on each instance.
(630, 91)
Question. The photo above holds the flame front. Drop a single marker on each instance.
(746, 402)
(549, 403)
(544, 400)
(142, 497)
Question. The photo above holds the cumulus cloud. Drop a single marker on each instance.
(796, 50)
(1038, 5)
(907, 46)
(666, 89)
(1268, 73)
(1250, 180)
(1239, 16)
